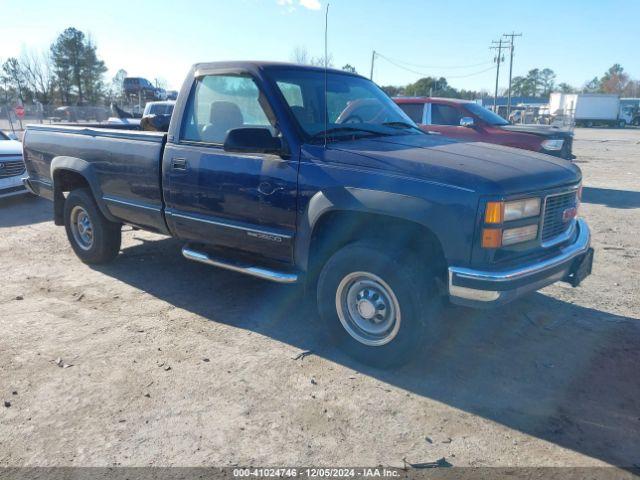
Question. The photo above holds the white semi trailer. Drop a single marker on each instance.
(588, 109)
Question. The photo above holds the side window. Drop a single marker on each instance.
(220, 103)
(444, 115)
(413, 110)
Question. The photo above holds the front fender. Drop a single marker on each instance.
(439, 219)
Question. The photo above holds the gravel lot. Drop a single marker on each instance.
(175, 363)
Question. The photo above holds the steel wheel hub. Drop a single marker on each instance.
(368, 308)
(81, 227)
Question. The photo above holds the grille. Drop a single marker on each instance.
(554, 207)
(11, 168)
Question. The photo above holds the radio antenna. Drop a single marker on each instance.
(326, 66)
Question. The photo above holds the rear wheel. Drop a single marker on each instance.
(93, 238)
(377, 308)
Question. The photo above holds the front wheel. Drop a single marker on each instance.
(377, 308)
(93, 237)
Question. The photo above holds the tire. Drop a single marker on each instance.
(93, 238)
(405, 307)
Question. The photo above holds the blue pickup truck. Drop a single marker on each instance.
(295, 174)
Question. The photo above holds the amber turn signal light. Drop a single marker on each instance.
(491, 237)
(494, 212)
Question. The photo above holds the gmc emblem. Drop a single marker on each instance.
(569, 213)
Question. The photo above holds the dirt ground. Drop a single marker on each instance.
(174, 363)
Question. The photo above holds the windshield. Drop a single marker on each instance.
(486, 115)
(3, 136)
(354, 104)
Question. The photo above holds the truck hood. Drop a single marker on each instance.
(546, 131)
(481, 167)
(10, 147)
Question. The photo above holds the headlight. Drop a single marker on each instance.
(520, 234)
(529, 207)
(499, 212)
(555, 144)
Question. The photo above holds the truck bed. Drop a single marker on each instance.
(123, 167)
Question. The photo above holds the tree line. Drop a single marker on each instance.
(68, 73)
(536, 83)
(71, 73)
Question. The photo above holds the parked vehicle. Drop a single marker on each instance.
(172, 95)
(274, 170)
(589, 109)
(468, 121)
(11, 166)
(137, 86)
(160, 94)
(157, 115)
(76, 113)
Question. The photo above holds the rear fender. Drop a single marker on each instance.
(84, 169)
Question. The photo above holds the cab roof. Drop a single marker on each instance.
(263, 65)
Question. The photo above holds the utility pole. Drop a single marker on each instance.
(511, 36)
(499, 46)
(373, 60)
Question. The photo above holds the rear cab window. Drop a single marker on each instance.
(442, 114)
(415, 111)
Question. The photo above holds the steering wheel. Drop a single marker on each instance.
(352, 119)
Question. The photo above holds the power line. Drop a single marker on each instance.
(444, 67)
(423, 74)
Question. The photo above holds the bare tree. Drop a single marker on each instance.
(300, 55)
(38, 75)
(320, 61)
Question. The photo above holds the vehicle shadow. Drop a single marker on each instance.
(24, 210)
(611, 197)
(548, 368)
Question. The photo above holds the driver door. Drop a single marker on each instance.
(236, 200)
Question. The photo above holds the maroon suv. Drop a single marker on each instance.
(467, 120)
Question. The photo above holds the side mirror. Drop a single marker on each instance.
(467, 122)
(252, 140)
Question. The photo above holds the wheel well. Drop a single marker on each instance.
(406, 239)
(65, 181)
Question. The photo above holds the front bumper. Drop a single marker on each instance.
(10, 186)
(480, 288)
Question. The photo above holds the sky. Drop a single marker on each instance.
(578, 39)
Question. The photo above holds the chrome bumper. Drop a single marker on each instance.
(487, 288)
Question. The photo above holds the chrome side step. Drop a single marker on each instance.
(265, 274)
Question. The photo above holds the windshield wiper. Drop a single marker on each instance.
(330, 131)
(400, 124)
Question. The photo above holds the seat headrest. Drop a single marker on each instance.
(225, 112)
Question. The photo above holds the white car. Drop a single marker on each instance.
(11, 167)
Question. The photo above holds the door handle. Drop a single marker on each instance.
(179, 164)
